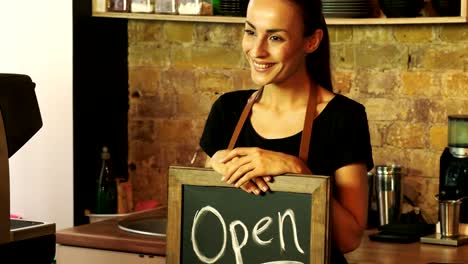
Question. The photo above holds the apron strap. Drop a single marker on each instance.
(306, 131)
(308, 123)
(245, 113)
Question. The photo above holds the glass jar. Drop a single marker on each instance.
(142, 6)
(195, 7)
(165, 6)
(99, 6)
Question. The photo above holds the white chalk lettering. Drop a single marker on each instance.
(260, 227)
(289, 213)
(258, 231)
(235, 242)
(198, 215)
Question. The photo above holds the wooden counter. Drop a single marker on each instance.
(107, 235)
(370, 252)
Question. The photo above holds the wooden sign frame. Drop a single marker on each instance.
(318, 186)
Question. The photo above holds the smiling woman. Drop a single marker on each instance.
(287, 46)
(277, 54)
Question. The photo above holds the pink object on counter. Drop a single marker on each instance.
(145, 205)
(14, 216)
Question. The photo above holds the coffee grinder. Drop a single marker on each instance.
(453, 181)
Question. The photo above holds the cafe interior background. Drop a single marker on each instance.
(144, 88)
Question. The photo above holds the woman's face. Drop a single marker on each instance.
(274, 42)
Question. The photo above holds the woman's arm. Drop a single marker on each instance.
(245, 164)
(349, 206)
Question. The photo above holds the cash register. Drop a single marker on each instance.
(21, 240)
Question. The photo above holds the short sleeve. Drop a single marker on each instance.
(353, 139)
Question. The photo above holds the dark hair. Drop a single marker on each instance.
(317, 62)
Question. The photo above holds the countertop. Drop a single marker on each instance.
(107, 235)
(371, 252)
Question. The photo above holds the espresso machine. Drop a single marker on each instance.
(453, 184)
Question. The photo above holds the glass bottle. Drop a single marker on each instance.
(106, 195)
(216, 7)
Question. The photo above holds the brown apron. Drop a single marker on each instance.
(306, 132)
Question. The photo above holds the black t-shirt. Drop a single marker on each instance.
(340, 136)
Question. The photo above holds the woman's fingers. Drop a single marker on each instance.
(236, 168)
(260, 182)
(230, 168)
(253, 186)
(250, 187)
(245, 174)
(247, 187)
(237, 152)
(240, 171)
(229, 156)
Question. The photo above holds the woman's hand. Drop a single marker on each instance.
(254, 186)
(242, 165)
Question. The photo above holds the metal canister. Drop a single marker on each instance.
(388, 190)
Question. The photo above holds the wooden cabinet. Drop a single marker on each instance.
(79, 255)
(98, 11)
(104, 242)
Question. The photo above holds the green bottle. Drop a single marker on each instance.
(216, 7)
(106, 200)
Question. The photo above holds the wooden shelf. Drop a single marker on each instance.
(463, 18)
(240, 20)
(395, 21)
(210, 19)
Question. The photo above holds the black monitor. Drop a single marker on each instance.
(20, 119)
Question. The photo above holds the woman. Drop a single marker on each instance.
(286, 43)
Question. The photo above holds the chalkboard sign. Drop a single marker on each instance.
(212, 222)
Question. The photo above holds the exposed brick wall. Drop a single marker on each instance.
(409, 77)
